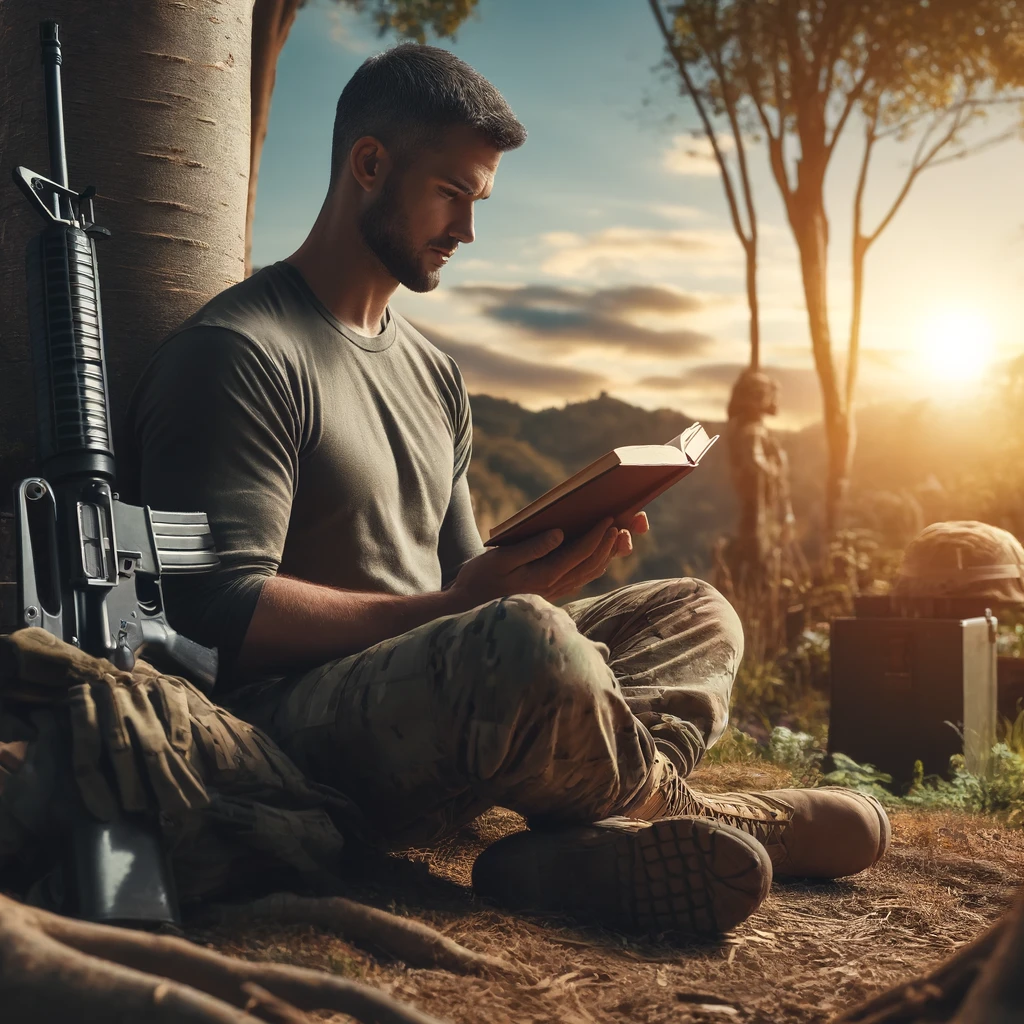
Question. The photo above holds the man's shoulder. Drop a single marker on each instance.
(427, 350)
(443, 370)
(261, 310)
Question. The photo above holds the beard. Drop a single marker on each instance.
(385, 230)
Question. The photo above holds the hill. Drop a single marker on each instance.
(915, 463)
(519, 454)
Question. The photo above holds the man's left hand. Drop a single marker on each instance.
(624, 542)
(579, 576)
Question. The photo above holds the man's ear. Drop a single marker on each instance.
(369, 162)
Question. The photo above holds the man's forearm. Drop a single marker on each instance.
(297, 624)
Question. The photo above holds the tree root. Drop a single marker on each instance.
(981, 983)
(998, 995)
(54, 969)
(412, 942)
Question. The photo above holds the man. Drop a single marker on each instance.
(359, 619)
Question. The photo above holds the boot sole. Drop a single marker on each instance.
(686, 875)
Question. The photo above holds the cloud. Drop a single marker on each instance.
(675, 211)
(694, 156)
(569, 318)
(511, 377)
(644, 251)
(799, 398)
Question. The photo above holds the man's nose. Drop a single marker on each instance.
(462, 228)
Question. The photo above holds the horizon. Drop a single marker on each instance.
(605, 260)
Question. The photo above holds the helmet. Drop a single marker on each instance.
(963, 558)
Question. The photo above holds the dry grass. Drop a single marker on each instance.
(811, 951)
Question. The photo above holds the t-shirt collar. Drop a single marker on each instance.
(369, 343)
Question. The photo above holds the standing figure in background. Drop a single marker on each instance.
(760, 476)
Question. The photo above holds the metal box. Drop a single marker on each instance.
(902, 687)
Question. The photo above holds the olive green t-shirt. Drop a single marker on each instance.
(315, 451)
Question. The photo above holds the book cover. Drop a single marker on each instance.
(618, 484)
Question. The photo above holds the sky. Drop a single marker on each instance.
(605, 259)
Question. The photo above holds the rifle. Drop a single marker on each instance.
(89, 565)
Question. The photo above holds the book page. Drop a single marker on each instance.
(693, 442)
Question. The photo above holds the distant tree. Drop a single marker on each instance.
(719, 107)
(272, 20)
(799, 73)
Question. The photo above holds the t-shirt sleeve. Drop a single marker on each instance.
(215, 430)
(463, 426)
(459, 538)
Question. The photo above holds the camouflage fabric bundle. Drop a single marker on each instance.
(76, 730)
(962, 559)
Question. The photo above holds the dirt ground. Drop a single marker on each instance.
(810, 952)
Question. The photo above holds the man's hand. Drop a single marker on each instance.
(545, 566)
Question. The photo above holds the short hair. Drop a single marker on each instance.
(408, 95)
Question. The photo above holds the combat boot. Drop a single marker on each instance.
(683, 875)
(808, 833)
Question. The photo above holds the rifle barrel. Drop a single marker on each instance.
(50, 39)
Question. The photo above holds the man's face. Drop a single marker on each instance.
(424, 209)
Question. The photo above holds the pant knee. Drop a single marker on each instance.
(539, 656)
(706, 605)
(724, 616)
(541, 687)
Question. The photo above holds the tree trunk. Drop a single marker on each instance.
(156, 100)
(750, 251)
(859, 255)
(271, 23)
(810, 230)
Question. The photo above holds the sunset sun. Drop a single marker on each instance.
(955, 345)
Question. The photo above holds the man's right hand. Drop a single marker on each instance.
(540, 565)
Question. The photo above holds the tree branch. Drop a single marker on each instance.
(781, 171)
(776, 140)
(709, 129)
(832, 17)
(860, 247)
(974, 104)
(978, 147)
(713, 57)
(918, 164)
(794, 49)
(852, 97)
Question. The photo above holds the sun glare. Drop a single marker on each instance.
(955, 346)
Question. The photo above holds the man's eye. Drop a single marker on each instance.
(449, 193)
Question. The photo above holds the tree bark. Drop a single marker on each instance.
(810, 230)
(156, 102)
(750, 252)
(271, 22)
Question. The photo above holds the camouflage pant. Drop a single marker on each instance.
(516, 703)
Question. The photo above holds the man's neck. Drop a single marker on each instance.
(343, 273)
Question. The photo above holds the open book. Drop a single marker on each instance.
(618, 484)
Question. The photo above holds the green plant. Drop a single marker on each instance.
(865, 778)
(1012, 733)
(1000, 793)
(736, 746)
(798, 751)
